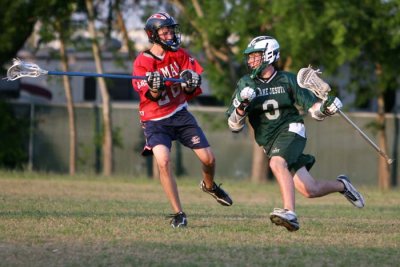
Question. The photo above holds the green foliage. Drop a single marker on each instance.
(55, 18)
(16, 22)
(13, 132)
(326, 34)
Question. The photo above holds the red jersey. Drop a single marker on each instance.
(173, 96)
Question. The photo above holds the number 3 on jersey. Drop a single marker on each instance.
(271, 108)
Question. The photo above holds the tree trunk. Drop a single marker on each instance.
(107, 125)
(383, 167)
(122, 27)
(259, 167)
(70, 105)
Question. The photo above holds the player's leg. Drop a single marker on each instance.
(192, 136)
(284, 217)
(283, 154)
(311, 188)
(162, 156)
(207, 159)
(158, 143)
(284, 178)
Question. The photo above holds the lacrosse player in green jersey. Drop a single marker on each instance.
(274, 103)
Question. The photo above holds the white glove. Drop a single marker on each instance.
(242, 100)
(331, 106)
(248, 94)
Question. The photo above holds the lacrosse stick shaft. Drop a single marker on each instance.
(383, 154)
(106, 75)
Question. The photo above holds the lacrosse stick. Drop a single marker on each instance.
(309, 78)
(21, 69)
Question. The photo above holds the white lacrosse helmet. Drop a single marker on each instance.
(270, 48)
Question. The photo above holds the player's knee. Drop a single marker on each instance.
(277, 163)
(311, 191)
(209, 162)
(163, 164)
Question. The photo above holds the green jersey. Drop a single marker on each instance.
(279, 101)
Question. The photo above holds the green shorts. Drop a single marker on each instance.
(290, 146)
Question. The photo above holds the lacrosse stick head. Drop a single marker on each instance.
(21, 69)
(309, 78)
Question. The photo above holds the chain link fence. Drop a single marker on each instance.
(337, 147)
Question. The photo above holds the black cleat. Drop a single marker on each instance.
(178, 220)
(218, 193)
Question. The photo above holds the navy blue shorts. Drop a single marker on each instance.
(182, 126)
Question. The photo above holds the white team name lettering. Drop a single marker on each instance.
(141, 83)
(271, 91)
(275, 150)
(276, 90)
(171, 70)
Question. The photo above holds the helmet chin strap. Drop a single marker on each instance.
(171, 45)
(258, 70)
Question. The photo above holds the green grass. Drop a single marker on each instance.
(53, 220)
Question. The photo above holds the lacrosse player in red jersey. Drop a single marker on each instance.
(163, 109)
(271, 100)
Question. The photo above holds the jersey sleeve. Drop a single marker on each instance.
(140, 67)
(303, 97)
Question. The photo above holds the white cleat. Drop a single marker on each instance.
(285, 218)
(350, 192)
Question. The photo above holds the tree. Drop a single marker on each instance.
(128, 43)
(381, 42)
(327, 34)
(17, 18)
(362, 34)
(70, 106)
(55, 18)
(13, 129)
(107, 123)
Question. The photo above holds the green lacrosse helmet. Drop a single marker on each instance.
(269, 47)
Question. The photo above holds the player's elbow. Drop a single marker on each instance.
(316, 113)
(235, 127)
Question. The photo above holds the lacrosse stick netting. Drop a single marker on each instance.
(309, 78)
(21, 69)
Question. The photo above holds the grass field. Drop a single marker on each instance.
(53, 220)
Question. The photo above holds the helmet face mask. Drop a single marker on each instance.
(163, 20)
(269, 49)
(254, 60)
